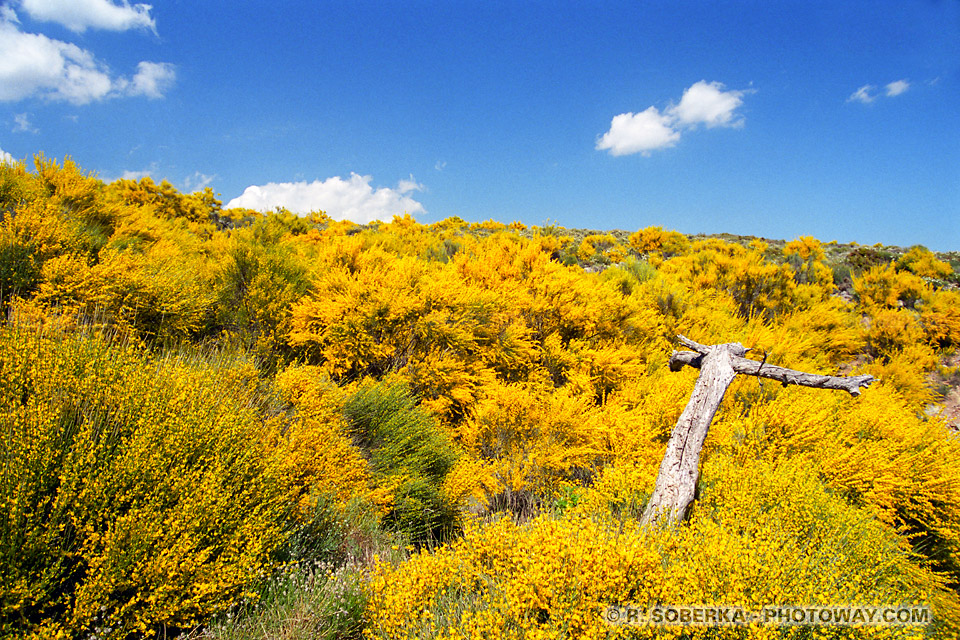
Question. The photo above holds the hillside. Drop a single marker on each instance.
(231, 424)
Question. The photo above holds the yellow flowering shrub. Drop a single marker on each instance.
(884, 286)
(876, 451)
(906, 369)
(70, 190)
(257, 282)
(30, 234)
(808, 254)
(505, 580)
(893, 329)
(531, 437)
(940, 319)
(656, 240)
(602, 246)
(144, 298)
(165, 201)
(138, 490)
(316, 453)
(921, 261)
(758, 287)
(428, 376)
(757, 539)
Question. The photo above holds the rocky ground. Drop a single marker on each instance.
(946, 384)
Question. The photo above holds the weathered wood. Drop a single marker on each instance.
(782, 375)
(719, 364)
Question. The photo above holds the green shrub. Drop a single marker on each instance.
(865, 258)
(408, 449)
(19, 272)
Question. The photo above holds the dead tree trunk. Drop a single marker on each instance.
(719, 364)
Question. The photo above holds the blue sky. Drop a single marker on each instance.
(839, 120)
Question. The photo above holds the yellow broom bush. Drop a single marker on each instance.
(138, 491)
(876, 452)
(758, 539)
(430, 376)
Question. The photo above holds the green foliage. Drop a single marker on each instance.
(864, 258)
(407, 450)
(841, 273)
(320, 602)
(257, 285)
(629, 274)
(19, 271)
(332, 533)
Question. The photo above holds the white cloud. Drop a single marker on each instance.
(79, 15)
(198, 181)
(406, 186)
(152, 79)
(352, 199)
(703, 102)
(135, 175)
(639, 133)
(32, 65)
(864, 94)
(7, 14)
(868, 92)
(897, 87)
(6, 158)
(22, 123)
(707, 103)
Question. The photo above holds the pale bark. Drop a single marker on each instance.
(785, 376)
(719, 364)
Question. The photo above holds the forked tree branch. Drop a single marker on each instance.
(719, 364)
(745, 366)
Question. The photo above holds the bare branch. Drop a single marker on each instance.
(850, 384)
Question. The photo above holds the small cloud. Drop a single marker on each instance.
(638, 133)
(406, 186)
(6, 158)
(441, 165)
(707, 103)
(151, 80)
(136, 175)
(79, 15)
(864, 94)
(198, 181)
(868, 93)
(897, 87)
(22, 124)
(351, 199)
